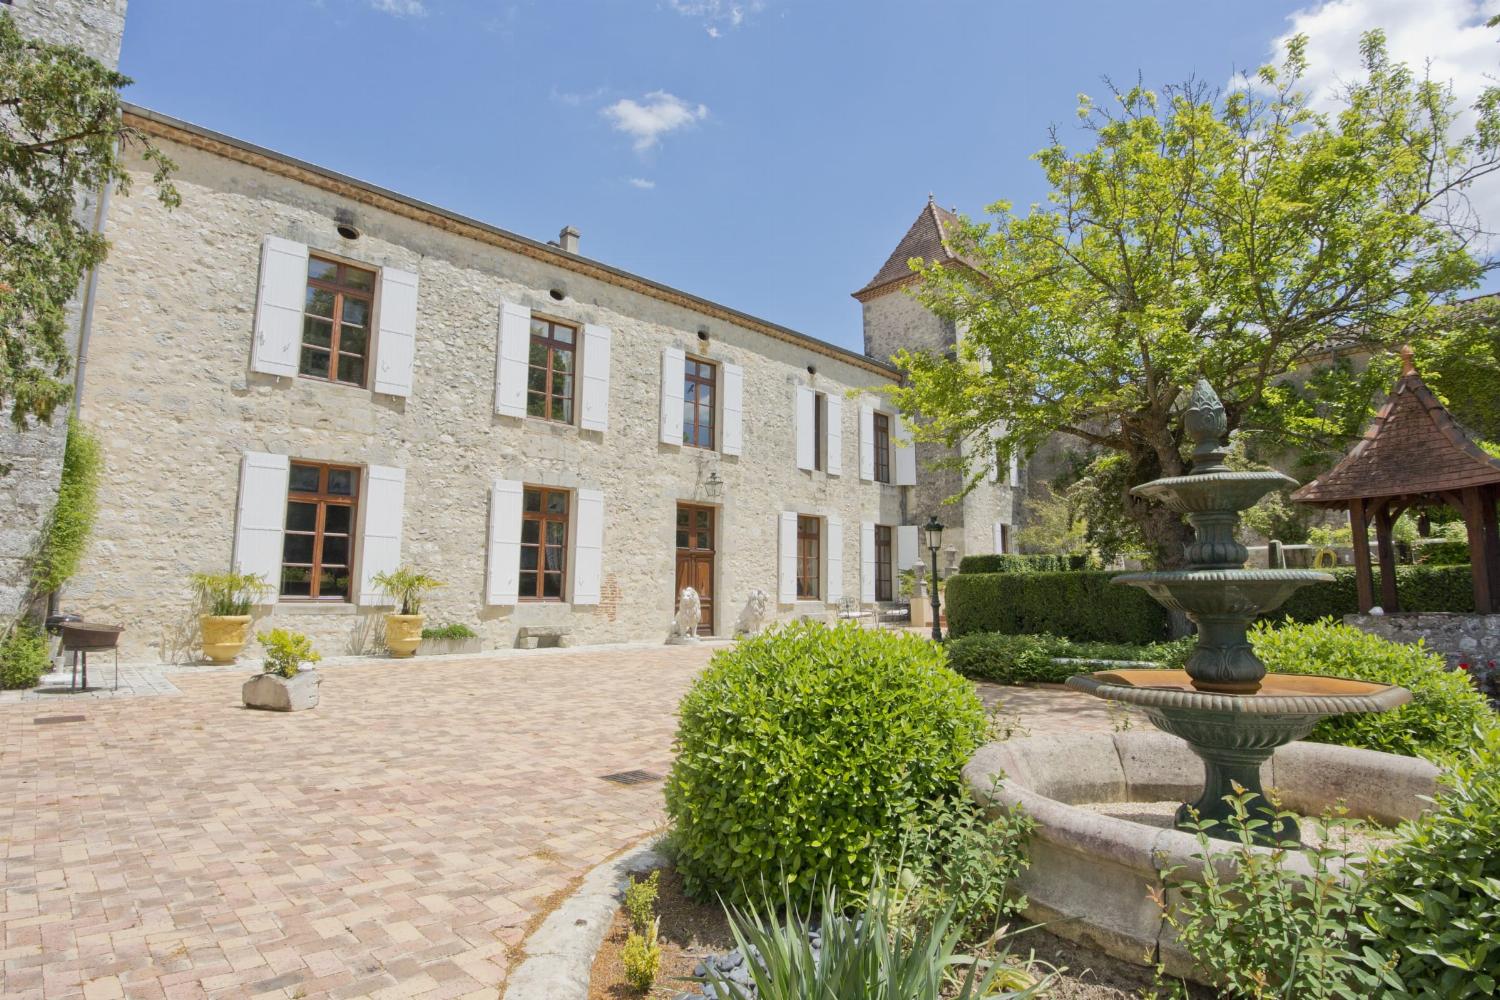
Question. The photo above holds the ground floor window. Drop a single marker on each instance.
(883, 588)
(318, 542)
(544, 543)
(809, 540)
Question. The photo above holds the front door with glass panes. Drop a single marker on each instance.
(695, 559)
(319, 541)
(544, 544)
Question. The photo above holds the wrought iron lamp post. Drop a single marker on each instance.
(934, 530)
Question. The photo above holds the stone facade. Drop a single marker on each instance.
(893, 320)
(1458, 638)
(171, 394)
(32, 458)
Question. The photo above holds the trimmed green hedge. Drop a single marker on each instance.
(1022, 564)
(1083, 606)
(1017, 659)
(1086, 607)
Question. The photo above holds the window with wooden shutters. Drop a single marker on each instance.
(552, 370)
(544, 544)
(883, 588)
(316, 545)
(809, 568)
(699, 382)
(882, 448)
(820, 415)
(336, 322)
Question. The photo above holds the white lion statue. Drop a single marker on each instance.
(756, 614)
(689, 613)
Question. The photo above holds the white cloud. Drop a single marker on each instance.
(642, 183)
(717, 14)
(401, 8)
(647, 122)
(1445, 38)
(574, 99)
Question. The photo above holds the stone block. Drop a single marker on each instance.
(275, 693)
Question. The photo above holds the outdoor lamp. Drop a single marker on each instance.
(934, 531)
(714, 488)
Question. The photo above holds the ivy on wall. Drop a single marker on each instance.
(73, 517)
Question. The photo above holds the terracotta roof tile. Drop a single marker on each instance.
(925, 239)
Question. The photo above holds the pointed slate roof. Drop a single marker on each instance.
(925, 239)
(1414, 447)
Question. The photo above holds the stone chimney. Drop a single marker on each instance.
(568, 239)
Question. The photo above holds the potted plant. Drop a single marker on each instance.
(406, 588)
(284, 686)
(225, 600)
(455, 638)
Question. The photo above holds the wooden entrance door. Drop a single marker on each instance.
(695, 559)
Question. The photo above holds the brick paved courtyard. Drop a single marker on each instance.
(397, 841)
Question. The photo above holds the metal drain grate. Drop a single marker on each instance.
(631, 777)
(46, 720)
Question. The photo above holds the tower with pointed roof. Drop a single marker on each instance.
(984, 520)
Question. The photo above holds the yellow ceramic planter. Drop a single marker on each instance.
(224, 636)
(403, 633)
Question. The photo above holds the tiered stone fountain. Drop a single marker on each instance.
(1229, 710)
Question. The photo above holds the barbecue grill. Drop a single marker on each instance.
(84, 638)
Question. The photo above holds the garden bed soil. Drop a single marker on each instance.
(690, 931)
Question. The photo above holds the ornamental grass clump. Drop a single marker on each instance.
(804, 752)
(1440, 721)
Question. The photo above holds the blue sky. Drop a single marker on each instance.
(766, 153)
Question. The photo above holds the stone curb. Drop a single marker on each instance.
(560, 953)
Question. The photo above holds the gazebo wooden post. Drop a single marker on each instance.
(1479, 518)
(1364, 584)
(1386, 552)
(1488, 498)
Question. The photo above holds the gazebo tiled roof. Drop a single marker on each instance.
(927, 238)
(1414, 448)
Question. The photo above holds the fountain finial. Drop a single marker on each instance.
(1205, 423)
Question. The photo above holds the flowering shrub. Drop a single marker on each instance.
(1485, 676)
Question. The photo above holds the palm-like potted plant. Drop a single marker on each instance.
(224, 601)
(284, 685)
(406, 588)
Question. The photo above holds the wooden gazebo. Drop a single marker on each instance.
(1414, 455)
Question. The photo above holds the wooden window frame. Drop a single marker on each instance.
(543, 518)
(809, 558)
(885, 589)
(340, 290)
(323, 499)
(819, 419)
(882, 434)
(553, 347)
(690, 428)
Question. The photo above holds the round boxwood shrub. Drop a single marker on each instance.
(1440, 721)
(23, 657)
(802, 753)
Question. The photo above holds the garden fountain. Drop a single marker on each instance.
(1232, 714)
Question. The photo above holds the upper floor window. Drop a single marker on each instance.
(316, 547)
(336, 322)
(882, 447)
(554, 354)
(820, 433)
(809, 542)
(544, 543)
(699, 380)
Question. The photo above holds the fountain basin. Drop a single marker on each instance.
(1212, 491)
(1238, 593)
(1091, 876)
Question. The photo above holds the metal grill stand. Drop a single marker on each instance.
(84, 638)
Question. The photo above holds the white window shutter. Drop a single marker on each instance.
(502, 577)
(734, 409)
(671, 395)
(999, 538)
(384, 502)
(833, 447)
(834, 558)
(261, 516)
(906, 546)
(588, 547)
(278, 307)
(1015, 470)
(906, 455)
(866, 442)
(867, 562)
(396, 341)
(594, 415)
(511, 359)
(786, 575)
(806, 407)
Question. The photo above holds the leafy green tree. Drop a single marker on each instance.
(1460, 361)
(1241, 236)
(61, 136)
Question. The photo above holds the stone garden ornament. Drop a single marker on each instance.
(756, 614)
(685, 624)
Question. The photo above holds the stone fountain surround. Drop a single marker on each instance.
(1091, 876)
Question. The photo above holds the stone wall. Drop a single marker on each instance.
(1460, 638)
(31, 459)
(170, 393)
